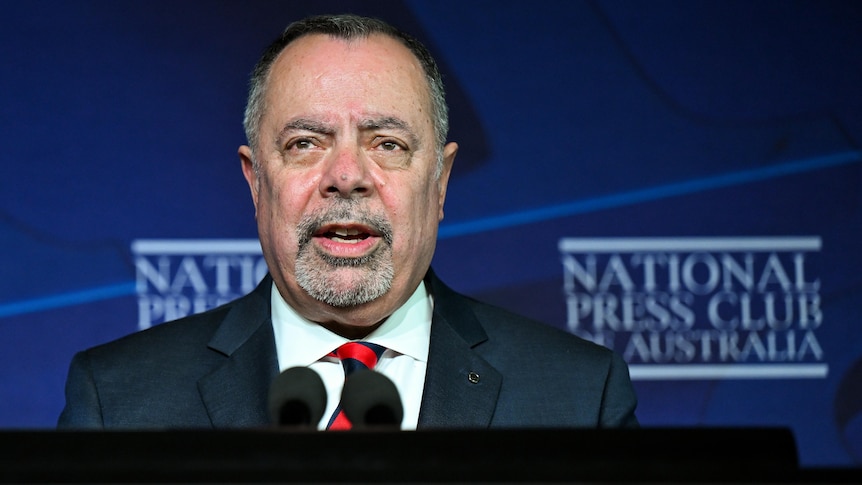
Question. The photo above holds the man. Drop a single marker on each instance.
(348, 165)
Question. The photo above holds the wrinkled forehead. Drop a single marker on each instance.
(377, 72)
(377, 53)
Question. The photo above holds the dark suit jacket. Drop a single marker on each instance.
(214, 370)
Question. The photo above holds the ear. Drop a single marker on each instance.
(245, 158)
(449, 152)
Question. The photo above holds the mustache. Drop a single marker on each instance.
(343, 211)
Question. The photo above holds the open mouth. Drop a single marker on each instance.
(347, 234)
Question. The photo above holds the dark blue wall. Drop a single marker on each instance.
(727, 132)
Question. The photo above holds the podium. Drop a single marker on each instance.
(646, 455)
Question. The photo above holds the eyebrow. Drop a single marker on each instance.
(315, 126)
(304, 124)
(384, 122)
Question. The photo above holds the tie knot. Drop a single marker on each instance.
(358, 355)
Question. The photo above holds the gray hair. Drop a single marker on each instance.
(347, 27)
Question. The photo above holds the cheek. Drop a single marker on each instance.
(282, 201)
(289, 191)
(414, 213)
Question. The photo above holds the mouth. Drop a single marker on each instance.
(346, 240)
(346, 233)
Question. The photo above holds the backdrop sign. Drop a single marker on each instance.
(175, 278)
(677, 308)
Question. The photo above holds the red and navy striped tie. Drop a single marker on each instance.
(354, 356)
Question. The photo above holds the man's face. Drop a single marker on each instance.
(346, 198)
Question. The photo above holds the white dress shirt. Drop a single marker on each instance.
(405, 334)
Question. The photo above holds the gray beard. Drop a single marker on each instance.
(373, 273)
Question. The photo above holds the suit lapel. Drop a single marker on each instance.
(461, 388)
(235, 393)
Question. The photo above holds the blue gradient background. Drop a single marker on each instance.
(120, 121)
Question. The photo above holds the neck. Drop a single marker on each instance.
(350, 332)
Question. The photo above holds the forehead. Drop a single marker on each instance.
(379, 45)
(318, 68)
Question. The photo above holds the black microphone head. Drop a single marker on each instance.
(371, 400)
(297, 397)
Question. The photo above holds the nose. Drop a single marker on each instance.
(346, 175)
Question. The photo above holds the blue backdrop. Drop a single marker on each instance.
(679, 180)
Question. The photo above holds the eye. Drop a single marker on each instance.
(387, 144)
(300, 144)
(390, 152)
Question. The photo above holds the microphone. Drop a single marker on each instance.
(371, 400)
(297, 398)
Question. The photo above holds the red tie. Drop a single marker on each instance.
(354, 356)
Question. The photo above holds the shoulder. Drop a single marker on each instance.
(190, 334)
(502, 328)
(533, 335)
(167, 344)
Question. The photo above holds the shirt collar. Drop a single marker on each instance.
(301, 342)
